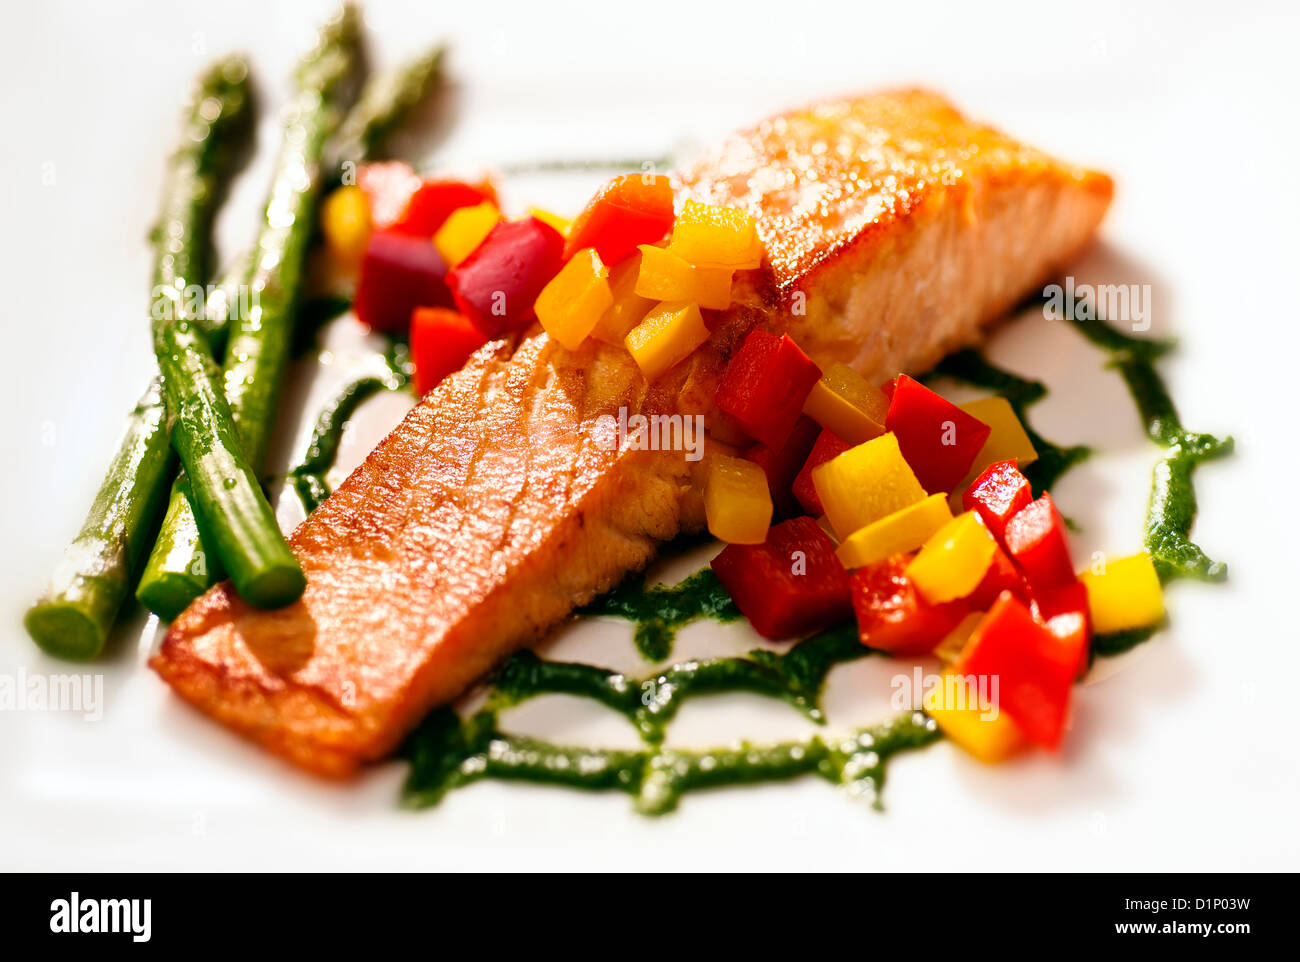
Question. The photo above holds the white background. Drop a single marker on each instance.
(1183, 757)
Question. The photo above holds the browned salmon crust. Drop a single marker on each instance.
(893, 228)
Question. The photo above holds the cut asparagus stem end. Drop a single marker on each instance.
(64, 630)
(168, 593)
(274, 587)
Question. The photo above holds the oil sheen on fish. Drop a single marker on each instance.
(894, 232)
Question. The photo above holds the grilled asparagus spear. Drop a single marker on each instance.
(221, 420)
(180, 567)
(75, 615)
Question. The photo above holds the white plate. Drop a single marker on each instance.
(1185, 758)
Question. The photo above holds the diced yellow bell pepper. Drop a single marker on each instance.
(666, 277)
(1007, 436)
(722, 237)
(1126, 595)
(464, 230)
(845, 403)
(737, 502)
(668, 334)
(561, 224)
(954, 705)
(954, 561)
(866, 483)
(574, 299)
(628, 307)
(346, 225)
(864, 395)
(954, 643)
(904, 530)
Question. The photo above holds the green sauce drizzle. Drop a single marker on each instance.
(659, 611)
(650, 703)
(308, 477)
(446, 753)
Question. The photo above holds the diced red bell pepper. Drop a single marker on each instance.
(938, 439)
(388, 186)
(433, 202)
(497, 285)
(441, 342)
(1036, 540)
(627, 211)
(792, 584)
(892, 615)
(1003, 575)
(398, 274)
(1033, 673)
(998, 494)
(782, 465)
(828, 445)
(1064, 612)
(888, 387)
(765, 385)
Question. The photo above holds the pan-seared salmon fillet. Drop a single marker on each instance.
(893, 228)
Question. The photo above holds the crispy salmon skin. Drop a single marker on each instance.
(894, 231)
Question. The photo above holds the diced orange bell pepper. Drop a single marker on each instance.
(463, 230)
(346, 226)
(737, 504)
(628, 210)
(955, 559)
(665, 336)
(954, 704)
(666, 277)
(902, 531)
(721, 237)
(628, 307)
(1124, 594)
(866, 483)
(441, 342)
(574, 299)
(844, 401)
